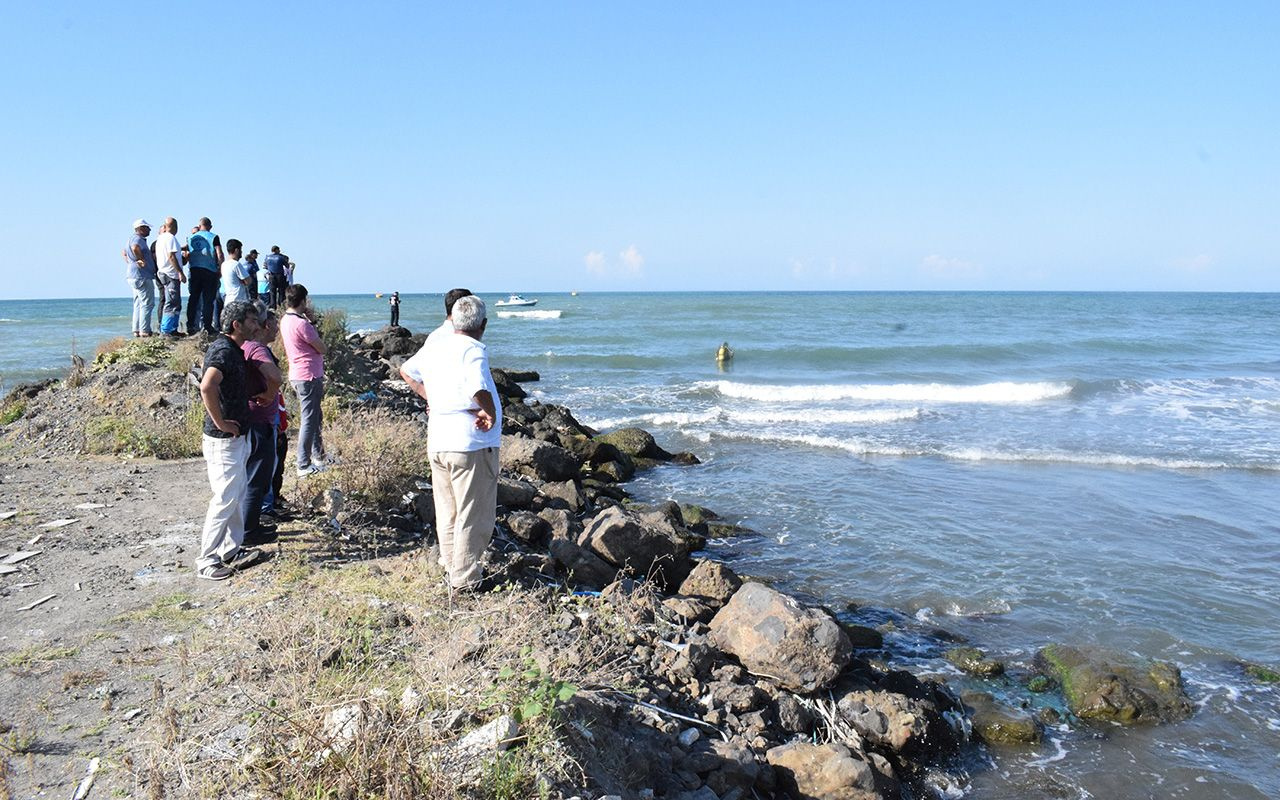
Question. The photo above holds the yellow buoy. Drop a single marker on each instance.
(724, 354)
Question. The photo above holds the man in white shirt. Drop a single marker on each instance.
(235, 276)
(169, 263)
(464, 431)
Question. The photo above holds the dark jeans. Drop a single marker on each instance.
(282, 449)
(277, 283)
(202, 288)
(171, 307)
(260, 467)
(395, 315)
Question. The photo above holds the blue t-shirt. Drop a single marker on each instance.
(202, 255)
(146, 272)
(274, 262)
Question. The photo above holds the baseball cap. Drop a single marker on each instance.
(141, 223)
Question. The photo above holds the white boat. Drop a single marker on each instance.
(514, 301)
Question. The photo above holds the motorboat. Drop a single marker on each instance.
(515, 301)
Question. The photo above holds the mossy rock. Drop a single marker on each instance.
(637, 443)
(997, 723)
(1106, 688)
(974, 661)
(1039, 683)
(1262, 674)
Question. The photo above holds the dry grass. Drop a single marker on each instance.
(375, 457)
(109, 346)
(415, 666)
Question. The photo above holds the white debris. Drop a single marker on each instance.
(59, 523)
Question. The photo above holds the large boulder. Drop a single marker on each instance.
(997, 723)
(640, 544)
(565, 494)
(897, 724)
(1100, 686)
(804, 649)
(711, 580)
(506, 387)
(583, 567)
(635, 442)
(824, 772)
(515, 493)
(537, 459)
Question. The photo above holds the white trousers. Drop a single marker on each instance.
(224, 523)
(465, 489)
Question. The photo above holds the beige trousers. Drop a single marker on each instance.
(465, 488)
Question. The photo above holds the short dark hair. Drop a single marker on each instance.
(234, 244)
(275, 248)
(295, 295)
(452, 296)
(236, 312)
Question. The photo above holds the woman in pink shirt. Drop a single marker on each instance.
(306, 352)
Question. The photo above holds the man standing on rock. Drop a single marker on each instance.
(141, 276)
(223, 389)
(204, 259)
(169, 260)
(274, 264)
(464, 431)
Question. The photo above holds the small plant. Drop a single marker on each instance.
(12, 411)
(534, 695)
(36, 654)
(16, 741)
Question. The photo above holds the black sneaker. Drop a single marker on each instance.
(244, 557)
(263, 534)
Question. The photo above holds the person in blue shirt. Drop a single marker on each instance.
(203, 277)
(141, 277)
(274, 264)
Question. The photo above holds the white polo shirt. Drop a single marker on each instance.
(453, 368)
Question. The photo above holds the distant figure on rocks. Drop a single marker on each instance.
(464, 431)
(395, 308)
(235, 275)
(274, 264)
(223, 390)
(289, 267)
(203, 278)
(264, 379)
(141, 277)
(251, 267)
(169, 261)
(306, 351)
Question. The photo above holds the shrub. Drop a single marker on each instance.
(12, 411)
(375, 456)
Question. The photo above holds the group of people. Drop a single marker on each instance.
(240, 390)
(215, 276)
(244, 437)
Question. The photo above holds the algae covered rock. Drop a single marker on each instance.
(1099, 686)
(802, 648)
(635, 442)
(1262, 674)
(974, 661)
(998, 723)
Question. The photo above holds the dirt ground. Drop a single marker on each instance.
(79, 672)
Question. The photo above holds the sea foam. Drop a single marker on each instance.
(995, 393)
(530, 314)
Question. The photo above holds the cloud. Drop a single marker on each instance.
(1196, 264)
(629, 264)
(632, 261)
(595, 262)
(944, 267)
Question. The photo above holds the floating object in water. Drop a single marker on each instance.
(541, 314)
(573, 294)
(724, 353)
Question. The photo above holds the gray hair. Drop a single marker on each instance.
(237, 312)
(468, 314)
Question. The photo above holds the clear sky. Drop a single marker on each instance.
(651, 146)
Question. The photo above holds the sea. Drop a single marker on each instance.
(1017, 469)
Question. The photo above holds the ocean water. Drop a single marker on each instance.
(1017, 468)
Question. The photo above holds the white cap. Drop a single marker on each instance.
(141, 223)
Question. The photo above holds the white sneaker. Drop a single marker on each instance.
(311, 470)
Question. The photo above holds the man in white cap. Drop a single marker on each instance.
(141, 277)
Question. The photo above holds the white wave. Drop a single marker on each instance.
(6, 319)
(717, 414)
(862, 447)
(531, 314)
(999, 393)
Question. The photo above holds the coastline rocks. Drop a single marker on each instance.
(533, 458)
(826, 772)
(583, 567)
(712, 581)
(515, 493)
(803, 649)
(1099, 687)
(638, 542)
(974, 661)
(895, 723)
(997, 723)
(635, 442)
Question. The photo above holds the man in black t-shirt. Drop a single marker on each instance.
(225, 395)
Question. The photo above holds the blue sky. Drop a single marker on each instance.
(663, 146)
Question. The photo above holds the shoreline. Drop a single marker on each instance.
(594, 550)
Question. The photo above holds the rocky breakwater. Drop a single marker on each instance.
(733, 688)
